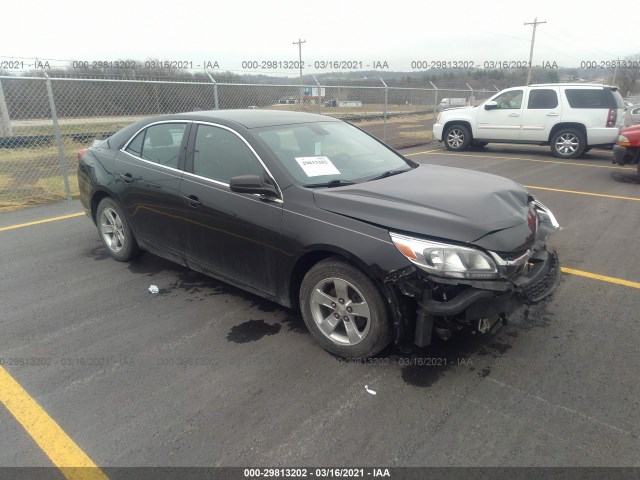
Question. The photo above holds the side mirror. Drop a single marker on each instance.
(491, 105)
(251, 184)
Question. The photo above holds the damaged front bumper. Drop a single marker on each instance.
(444, 305)
(623, 155)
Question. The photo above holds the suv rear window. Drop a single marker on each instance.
(590, 98)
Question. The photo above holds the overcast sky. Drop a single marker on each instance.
(397, 32)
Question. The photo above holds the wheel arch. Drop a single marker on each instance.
(465, 123)
(319, 253)
(96, 198)
(563, 125)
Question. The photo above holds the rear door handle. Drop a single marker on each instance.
(126, 177)
(553, 114)
(514, 114)
(192, 200)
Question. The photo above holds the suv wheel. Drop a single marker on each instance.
(344, 310)
(115, 232)
(457, 138)
(568, 143)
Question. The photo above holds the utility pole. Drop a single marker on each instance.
(299, 43)
(535, 23)
(615, 72)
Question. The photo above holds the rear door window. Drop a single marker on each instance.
(543, 98)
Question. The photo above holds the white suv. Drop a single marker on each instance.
(571, 118)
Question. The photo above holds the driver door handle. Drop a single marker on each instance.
(126, 177)
(192, 200)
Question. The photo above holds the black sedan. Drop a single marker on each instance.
(316, 215)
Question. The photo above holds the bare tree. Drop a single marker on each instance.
(629, 74)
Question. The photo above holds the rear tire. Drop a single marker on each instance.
(344, 310)
(115, 232)
(568, 143)
(457, 138)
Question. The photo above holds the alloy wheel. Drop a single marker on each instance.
(340, 311)
(455, 138)
(567, 144)
(112, 229)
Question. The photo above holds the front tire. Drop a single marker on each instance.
(344, 310)
(457, 138)
(115, 232)
(568, 143)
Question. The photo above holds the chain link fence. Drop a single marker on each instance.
(44, 122)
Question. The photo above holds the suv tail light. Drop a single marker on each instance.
(612, 117)
(81, 153)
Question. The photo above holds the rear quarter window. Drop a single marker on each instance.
(590, 98)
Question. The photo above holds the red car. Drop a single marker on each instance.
(627, 151)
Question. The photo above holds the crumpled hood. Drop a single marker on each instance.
(442, 202)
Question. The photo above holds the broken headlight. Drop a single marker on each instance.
(446, 260)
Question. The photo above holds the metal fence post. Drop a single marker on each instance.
(471, 96)
(319, 94)
(56, 128)
(5, 120)
(435, 107)
(386, 102)
(215, 91)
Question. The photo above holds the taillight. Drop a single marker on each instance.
(81, 153)
(612, 117)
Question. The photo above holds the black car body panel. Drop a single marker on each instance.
(266, 244)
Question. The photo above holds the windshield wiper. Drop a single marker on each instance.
(333, 183)
(389, 173)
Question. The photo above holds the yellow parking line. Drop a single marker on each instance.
(524, 159)
(38, 222)
(425, 152)
(54, 442)
(583, 193)
(603, 278)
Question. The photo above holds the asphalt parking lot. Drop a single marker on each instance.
(204, 374)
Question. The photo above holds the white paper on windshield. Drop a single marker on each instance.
(317, 166)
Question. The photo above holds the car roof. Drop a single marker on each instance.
(587, 85)
(247, 118)
(255, 118)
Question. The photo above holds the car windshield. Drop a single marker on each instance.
(334, 153)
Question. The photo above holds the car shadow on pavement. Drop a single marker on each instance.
(626, 177)
(200, 287)
(418, 366)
